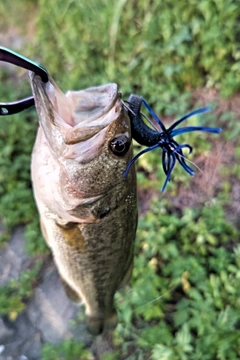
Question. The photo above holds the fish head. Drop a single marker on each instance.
(88, 132)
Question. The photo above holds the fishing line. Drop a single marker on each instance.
(129, 109)
(125, 102)
(156, 299)
(186, 159)
(150, 122)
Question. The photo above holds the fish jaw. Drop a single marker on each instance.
(88, 210)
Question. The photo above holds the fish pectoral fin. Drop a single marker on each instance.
(44, 231)
(72, 294)
(127, 276)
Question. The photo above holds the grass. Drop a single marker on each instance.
(183, 300)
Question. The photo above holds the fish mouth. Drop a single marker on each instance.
(93, 103)
(75, 107)
(79, 115)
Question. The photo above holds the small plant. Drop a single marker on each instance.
(68, 350)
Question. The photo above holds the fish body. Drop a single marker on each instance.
(88, 210)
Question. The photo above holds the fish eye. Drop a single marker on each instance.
(120, 145)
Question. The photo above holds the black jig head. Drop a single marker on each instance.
(171, 150)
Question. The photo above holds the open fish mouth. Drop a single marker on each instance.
(81, 108)
(93, 103)
(78, 118)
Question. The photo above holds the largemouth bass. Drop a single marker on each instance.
(88, 210)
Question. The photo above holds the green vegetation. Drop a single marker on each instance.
(68, 350)
(183, 300)
(159, 47)
(14, 295)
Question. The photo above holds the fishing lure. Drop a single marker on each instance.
(84, 181)
(164, 139)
